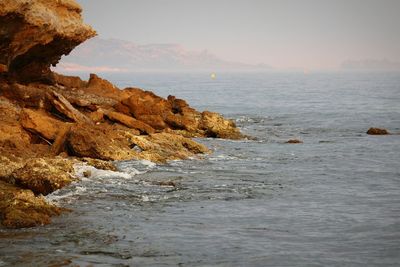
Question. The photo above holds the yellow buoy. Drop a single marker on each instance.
(213, 76)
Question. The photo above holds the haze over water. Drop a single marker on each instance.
(332, 201)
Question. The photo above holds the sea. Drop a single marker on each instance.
(333, 200)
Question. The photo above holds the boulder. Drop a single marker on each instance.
(44, 175)
(35, 34)
(98, 142)
(38, 122)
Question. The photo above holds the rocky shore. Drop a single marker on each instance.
(49, 122)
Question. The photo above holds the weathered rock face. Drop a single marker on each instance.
(35, 34)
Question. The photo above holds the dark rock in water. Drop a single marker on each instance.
(377, 131)
(294, 141)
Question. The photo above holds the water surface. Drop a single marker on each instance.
(332, 201)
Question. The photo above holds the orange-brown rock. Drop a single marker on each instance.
(43, 176)
(177, 104)
(121, 108)
(130, 122)
(377, 131)
(69, 81)
(155, 121)
(38, 122)
(216, 126)
(21, 208)
(160, 147)
(35, 34)
(99, 142)
(26, 95)
(101, 87)
(146, 103)
(64, 107)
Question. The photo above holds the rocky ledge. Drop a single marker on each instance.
(49, 122)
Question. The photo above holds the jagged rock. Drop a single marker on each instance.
(377, 131)
(69, 81)
(130, 122)
(101, 87)
(21, 208)
(43, 176)
(65, 108)
(216, 126)
(35, 34)
(177, 104)
(38, 122)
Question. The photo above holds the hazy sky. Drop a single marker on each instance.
(312, 34)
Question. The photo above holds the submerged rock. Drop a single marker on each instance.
(294, 141)
(377, 131)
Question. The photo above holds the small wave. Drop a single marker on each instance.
(247, 119)
(62, 194)
(82, 171)
(222, 158)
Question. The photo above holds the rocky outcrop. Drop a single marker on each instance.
(21, 208)
(49, 122)
(35, 34)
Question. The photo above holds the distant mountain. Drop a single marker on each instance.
(117, 55)
(371, 64)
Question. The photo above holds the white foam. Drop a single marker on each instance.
(58, 195)
(222, 157)
(80, 170)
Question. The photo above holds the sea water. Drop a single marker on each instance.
(332, 201)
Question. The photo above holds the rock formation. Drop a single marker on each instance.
(34, 34)
(49, 122)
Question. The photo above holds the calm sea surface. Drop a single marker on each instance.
(332, 201)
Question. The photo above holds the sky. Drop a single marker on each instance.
(306, 34)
